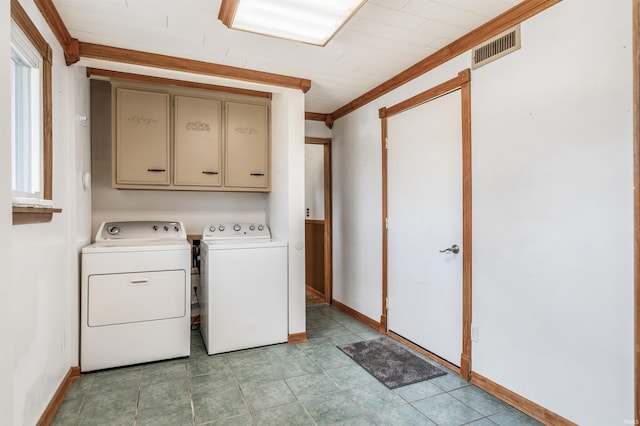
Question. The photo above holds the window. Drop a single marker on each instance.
(26, 121)
(31, 133)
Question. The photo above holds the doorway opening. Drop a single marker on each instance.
(318, 224)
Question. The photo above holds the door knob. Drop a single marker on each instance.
(453, 249)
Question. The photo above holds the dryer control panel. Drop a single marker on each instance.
(236, 231)
(141, 230)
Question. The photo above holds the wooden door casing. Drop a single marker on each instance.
(314, 258)
(463, 82)
(326, 247)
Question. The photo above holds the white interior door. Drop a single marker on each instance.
(424, 166)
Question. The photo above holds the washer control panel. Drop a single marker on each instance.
(236, 231)
(145, 230)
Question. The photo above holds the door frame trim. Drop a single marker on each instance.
(328, 223)
(462, 82)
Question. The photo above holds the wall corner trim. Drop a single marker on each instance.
(328, 121)
(227, 12)
(173, 82)
(50, 412)
(314, 116)
(357, 315)
(317, 116)
(305, 85)
(70, 45)
(297, 338)
(317, 141)
(192, 66)
(464, 76)
(521, 403)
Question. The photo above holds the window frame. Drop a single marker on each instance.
(26, 129)
(38, 214)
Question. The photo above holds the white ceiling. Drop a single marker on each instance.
(384, 38)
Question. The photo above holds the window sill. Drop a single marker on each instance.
(23, 215)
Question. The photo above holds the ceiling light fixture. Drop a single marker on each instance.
(309, 21)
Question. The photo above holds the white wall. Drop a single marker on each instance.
(79, 209)
(286, 205)
(7, 358)
(42, 276)
(552, 211)
(562, 191)
(316, 129)
(357, 210)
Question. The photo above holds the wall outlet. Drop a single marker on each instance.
(83, 120)
(474, 333)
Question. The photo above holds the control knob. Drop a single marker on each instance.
(252, 227)
(236, 227)
(260, 227)
(221, 228)
(113, 229)
(212, 228)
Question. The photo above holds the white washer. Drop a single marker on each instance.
(135, 289)
(244, 287)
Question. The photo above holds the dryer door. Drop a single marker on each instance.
(133, 297)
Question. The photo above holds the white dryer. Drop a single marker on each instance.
(135, 288)
(243, 286)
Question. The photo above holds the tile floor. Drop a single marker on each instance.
(310, 383)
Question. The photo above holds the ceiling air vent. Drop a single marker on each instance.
(495, 48)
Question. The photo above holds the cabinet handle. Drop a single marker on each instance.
(257, 174)
(204, 172)
(156, 170)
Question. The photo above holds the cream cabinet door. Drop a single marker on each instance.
(247, 146)
(198, 151)
(142, 137)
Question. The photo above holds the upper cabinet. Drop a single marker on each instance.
(181, 141)
(142, 138)
(247, 145)
(198, 137)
